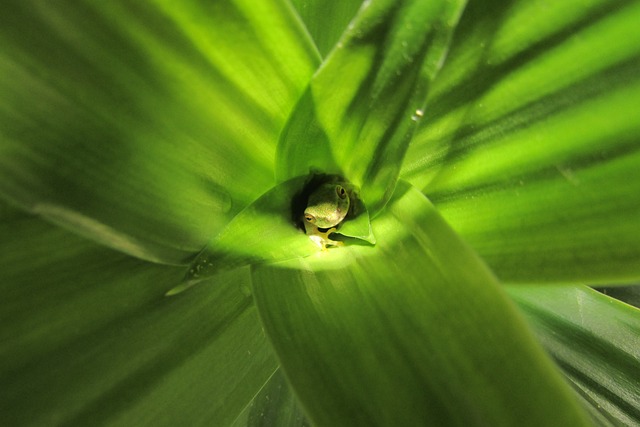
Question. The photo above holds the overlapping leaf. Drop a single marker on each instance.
(133, 125)
(271, 230)
(595, 340)
(359, 113)
(264, 231)
(326, 20)
(530, 142)
(412, 331)
(275, 405)
(86, 337)
(148, 126)
(629, 294)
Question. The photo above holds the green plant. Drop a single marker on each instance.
(495, 146)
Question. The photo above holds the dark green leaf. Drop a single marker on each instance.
(87, 337)
(412, 331)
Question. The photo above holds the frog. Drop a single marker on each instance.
(327, 207)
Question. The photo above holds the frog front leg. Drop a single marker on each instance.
(321, 236)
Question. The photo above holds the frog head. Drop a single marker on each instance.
(328, 205)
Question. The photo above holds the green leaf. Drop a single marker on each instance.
(275, 405)
(628, 294)
(360, 226)
(146, 126)
(326, 20)
(264, 231)
(412, 331)
(269, 230)
(360, 111)
(529, 145)
(594, 339)
(87, 338)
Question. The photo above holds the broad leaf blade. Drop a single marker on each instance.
(148, 126)
(412, 331)
(529, 146)
(87, 337)
(360, 111)
(595, 340)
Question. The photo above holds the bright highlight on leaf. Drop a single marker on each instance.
(270, 229)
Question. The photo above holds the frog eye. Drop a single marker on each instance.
(341, 192)
(309, 218)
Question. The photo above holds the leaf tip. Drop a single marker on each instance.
(186, 284)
